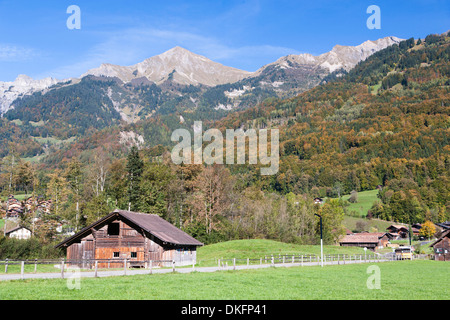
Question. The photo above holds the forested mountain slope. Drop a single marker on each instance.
(385, 123)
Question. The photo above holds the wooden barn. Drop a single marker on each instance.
(137, 237)
(442, 247)
(371, 241)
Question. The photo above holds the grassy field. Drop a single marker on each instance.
(402, 280)
(239, 249)
(357, 212)
(365, 202)
(259, 248)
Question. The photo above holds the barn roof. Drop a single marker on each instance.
(444, 234)
(364, 237)
(151, 224)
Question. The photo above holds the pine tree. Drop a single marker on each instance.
(74, 176)
(134, 168)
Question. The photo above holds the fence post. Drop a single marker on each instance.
(35, 265)
(6, 265)
(273, 261)
(125, 266)
(173, 265)
(22, 267)
(151, 266)
(248, 262)
(96, 268)
(234, 263)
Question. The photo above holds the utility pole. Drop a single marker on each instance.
(321, 239)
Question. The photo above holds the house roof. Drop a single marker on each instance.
(151, 224)
(15, 229)
(362, 238)
(443, 235)
(397, 226)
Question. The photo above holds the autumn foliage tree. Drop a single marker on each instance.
(428, 229)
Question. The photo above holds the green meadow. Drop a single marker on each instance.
(401, 280)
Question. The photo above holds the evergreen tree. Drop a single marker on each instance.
(134, 169)
(74, 176)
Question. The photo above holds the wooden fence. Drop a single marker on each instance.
(220, 263)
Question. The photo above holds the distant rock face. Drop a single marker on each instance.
(10, 91)
(345, 57)
(181, 66)
(177, 64)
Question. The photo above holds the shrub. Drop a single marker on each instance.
(32, 248)
(353, 197)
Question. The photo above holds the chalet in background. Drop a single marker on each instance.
(19, 232)
(399, 231)
(442, 247)
(137, 237)
(371, 241)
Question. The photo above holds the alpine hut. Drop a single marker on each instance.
(134, 237)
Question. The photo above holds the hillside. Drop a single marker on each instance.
(384, 123)
(344, 136)
(257, 248)
(175, 86)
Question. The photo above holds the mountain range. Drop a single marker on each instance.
(371, 118)
(178, 68)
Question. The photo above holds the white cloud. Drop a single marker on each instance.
(14, 53)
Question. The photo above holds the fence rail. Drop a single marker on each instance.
(219, 263)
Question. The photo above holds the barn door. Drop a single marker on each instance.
(74, 255)
(88, 253)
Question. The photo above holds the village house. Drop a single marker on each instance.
(14, 207)
(318, 201)
(442, 247)
(37, 206)
(134, 237)
(19, 232)
(443, 225)
(398, 231)
(371, 241)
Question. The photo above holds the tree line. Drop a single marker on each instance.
(208, 202)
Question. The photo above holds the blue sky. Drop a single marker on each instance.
(35, 40)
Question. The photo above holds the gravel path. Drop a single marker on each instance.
(71, 273)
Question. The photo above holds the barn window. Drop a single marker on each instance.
(116, 254)
(134, 254)
(113, 229)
